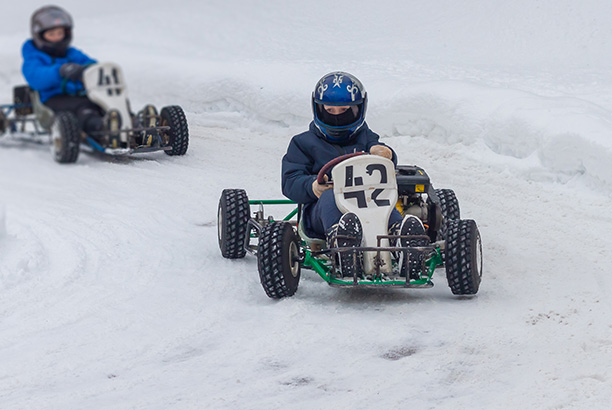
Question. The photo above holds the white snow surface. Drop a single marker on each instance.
(113, 292)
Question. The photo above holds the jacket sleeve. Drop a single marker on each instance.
(373, 139)
(38, 74)
(297, 175)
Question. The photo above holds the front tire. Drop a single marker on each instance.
(232, 218)
(463, 257)
(65, 137)
(177, 136)
(278, 260)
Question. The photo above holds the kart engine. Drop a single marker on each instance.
(415, 197)
(416, 205)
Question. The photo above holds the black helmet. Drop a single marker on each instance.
(340, 89)
(46, 18)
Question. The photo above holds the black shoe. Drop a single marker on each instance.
(347, 233)
(112, 122)
(410, 227)
(94, 128)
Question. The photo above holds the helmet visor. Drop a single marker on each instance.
(344, 119)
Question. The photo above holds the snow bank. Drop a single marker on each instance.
(551, 34)
(566, 136)
(510, 76)
(562, 137)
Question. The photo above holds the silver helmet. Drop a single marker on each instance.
(46, 18)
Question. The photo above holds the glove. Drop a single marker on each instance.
(382, 151)
(318, 189)
(72, 71)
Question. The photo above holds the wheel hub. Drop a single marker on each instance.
(294, 259)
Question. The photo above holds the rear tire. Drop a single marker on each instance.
(3, 122)
(278, 260)
(177, 136)
(463, 257)
(449, 207)
(232, 218)
(65, 137)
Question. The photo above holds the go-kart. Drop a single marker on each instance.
(369, 186)
(27, 119)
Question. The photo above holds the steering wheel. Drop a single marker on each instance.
(327, 167)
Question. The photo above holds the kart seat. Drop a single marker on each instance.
(44, 114)
(312, 242)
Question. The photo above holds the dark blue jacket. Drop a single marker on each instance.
(308, 152)
(41, 71)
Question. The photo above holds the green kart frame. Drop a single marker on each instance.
(323, 261)
(283, 248)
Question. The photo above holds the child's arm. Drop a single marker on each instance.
(41, 76)
(297, 175)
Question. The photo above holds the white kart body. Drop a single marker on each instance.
(366, 185)
(106, 87)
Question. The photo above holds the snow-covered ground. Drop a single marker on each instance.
(114, 295)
